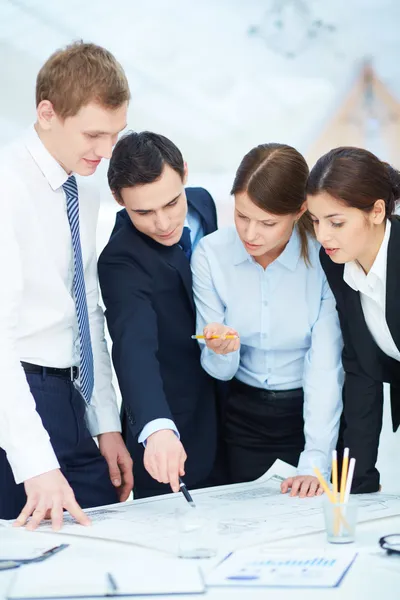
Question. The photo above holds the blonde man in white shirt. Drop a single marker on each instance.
(55, 371)
(351, 199)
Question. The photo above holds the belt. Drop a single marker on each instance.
(266, 394)
(70, 373)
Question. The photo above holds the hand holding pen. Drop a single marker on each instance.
(164, 457)
(221, 339)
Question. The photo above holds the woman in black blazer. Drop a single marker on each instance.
(351, 197)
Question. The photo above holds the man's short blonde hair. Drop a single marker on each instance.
(79, 74)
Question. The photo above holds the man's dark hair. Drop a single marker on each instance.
(139, 158)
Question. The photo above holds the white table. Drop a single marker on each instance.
(374, 576)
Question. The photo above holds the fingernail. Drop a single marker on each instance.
(117, 482)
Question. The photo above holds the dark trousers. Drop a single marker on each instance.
(260, 427)
(62, 410)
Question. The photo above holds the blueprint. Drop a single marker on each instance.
(239, 515)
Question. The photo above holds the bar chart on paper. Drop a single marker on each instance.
(256, 568)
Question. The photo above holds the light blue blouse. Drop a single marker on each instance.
(288, 326)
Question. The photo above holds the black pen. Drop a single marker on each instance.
(112, 587)
(49, 553)
(185, 492)
(6, 564)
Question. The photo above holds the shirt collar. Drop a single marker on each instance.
(354, 275)
(54, 173)
(289, 257)
(291, 254)
(239, 253)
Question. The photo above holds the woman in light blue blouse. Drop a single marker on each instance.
(262, 280)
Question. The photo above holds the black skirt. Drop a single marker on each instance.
(260, 427)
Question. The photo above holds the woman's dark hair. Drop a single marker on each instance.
(356, 177)
(274, 176)
(139, 158)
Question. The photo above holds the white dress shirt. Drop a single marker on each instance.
(196, 233)
(288, 325)
(372, 290)
(38, 321)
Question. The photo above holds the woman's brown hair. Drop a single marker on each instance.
(356, 177)
(274, 176)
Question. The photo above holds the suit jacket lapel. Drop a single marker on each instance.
(204, 211)
(177, 259)
(393, 282)
(174, 255)
(360, 334)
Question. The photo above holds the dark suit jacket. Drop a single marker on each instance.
(150, 312)
(366, 366)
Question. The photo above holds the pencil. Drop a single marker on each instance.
(215, 337)
(336, 524)
(349, 480)
(328, 492)
(324, 484)
(345, 465)
(334, 475)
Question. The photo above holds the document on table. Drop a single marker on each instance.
(242, 515)
(257, 568)
(69, 577)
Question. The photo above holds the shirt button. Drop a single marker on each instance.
(264, 335)
(265, 303)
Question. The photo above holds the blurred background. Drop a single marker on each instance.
(220, 76)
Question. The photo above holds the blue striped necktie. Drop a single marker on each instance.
(86, 376)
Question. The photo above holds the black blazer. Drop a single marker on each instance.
(366, 366)
(150, 312)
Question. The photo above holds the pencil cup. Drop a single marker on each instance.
(197, 532)
(340, 521)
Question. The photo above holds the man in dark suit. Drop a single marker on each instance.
(169, 402)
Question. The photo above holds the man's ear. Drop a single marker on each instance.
(45, 114)
(185, 173)
(118, 199)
